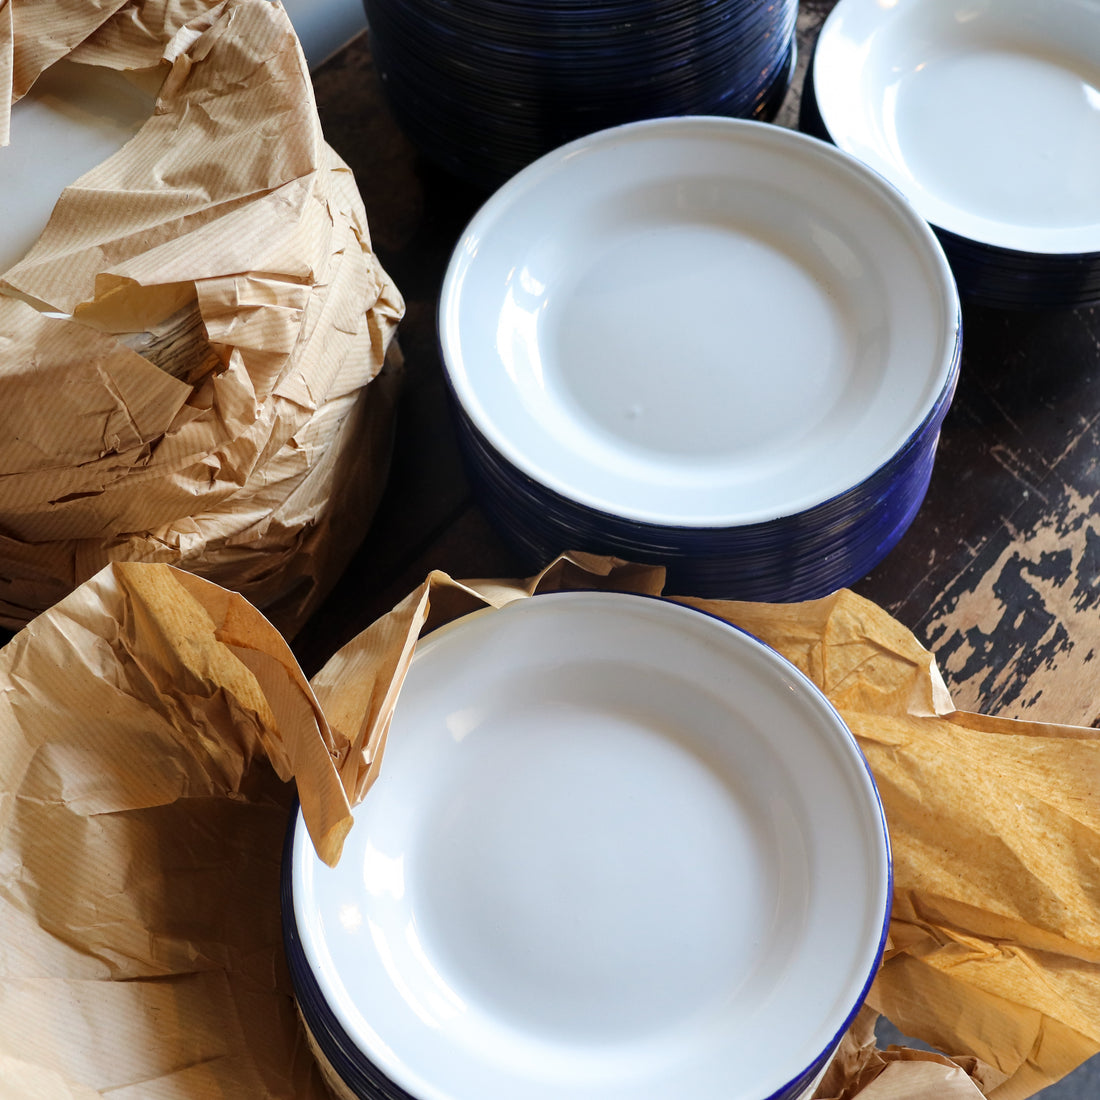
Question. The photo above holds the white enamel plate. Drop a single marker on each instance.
(72, 119)
(986, 115)
(698, 322)
(618, 850)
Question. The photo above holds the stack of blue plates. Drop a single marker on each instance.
(988, 119)
(505, 924)
(709, 344)
(484, 87)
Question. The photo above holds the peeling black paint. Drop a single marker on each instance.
(1027, 638)
(1086, 592)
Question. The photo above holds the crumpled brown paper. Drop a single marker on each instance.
(191, 355)
(147, 724)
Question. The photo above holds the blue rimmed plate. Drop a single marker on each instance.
(702, 342)
(987, 117)
(618, 850)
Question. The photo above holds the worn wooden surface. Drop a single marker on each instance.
(1000, 573)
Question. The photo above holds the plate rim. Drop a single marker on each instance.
(943, 291)
(993, 235)
(880, 895)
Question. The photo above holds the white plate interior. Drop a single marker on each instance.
(73, 118)
(698, 322)
(986, 115)
(618, 851)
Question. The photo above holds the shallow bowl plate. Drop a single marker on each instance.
(986, 115)
(618, 850)
(698, 322)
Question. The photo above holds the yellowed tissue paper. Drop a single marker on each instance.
(151, 724)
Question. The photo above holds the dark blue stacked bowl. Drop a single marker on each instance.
(484, 87)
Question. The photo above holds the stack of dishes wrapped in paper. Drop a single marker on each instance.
(987, 117)
(191, 361)
(617, 850)
(710, 344)
(486, 86)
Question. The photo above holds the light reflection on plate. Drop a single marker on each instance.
(985, 115)
(651, 862)
(698, 322)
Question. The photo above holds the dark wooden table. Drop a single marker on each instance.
(1000, 573)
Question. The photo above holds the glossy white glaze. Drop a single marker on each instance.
(72, 119)
(986, 115)
(698, 322)
(618, 850)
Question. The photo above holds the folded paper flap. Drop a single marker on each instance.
(1011, 727)
(113, 403)
(199, 676)
(282, 235)
(358, 687)
(239, 666)
(1016, 1048)
(38, 34)
(860, 1069)
(197, 681)
(911, 1075)
(86, 729)
(852, 649)
(973, 811)
(134, 37)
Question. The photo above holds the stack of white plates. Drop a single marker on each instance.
(987, 117)
(710, 344)
(486, 86)
(618, 850)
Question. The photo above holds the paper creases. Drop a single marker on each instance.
(193, 351)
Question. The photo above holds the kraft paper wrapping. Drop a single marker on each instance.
(193, 355)
(150, 724)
